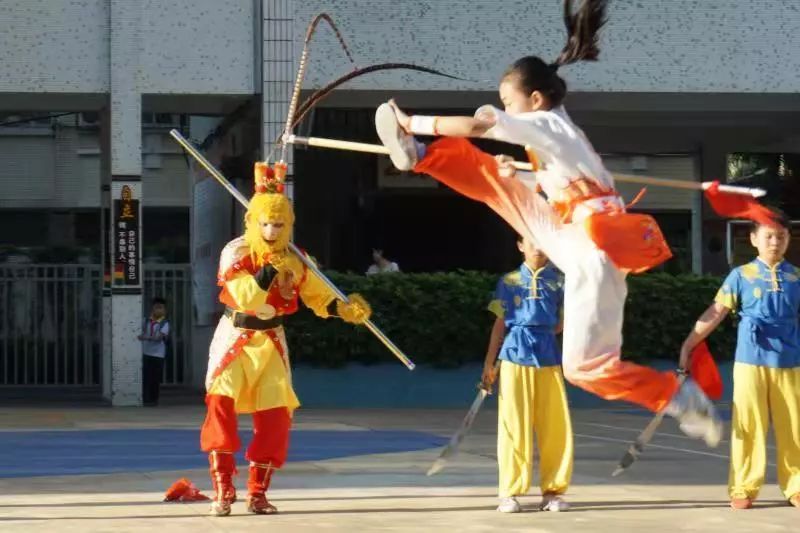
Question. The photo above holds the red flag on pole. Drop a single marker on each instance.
(730, 205)
(704, 371)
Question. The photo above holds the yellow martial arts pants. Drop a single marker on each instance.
(533, 400)
(758, 393)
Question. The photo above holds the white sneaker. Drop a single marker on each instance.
(402, 146)
(553, 503)
(509, 505)
(222, 508)
(697, 416)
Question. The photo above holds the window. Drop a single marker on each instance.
(777, 173)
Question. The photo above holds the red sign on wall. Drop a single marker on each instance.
(126, 239)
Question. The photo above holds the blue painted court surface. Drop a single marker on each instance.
(54, 453)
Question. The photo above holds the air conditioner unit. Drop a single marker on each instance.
(167, 119)
(160, 120)
(89, 119)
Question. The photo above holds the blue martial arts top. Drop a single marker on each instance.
(530, 303)
(767, 299)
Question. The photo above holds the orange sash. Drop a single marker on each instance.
(576, 192)
(633, 241)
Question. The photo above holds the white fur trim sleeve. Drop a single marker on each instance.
(232, 252)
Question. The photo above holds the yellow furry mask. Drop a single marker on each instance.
(270, 217)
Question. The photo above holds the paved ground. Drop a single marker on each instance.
(103, 469)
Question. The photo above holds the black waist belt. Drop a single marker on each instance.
(245, 321)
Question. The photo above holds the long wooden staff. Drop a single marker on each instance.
(337, 144)
(309, 264)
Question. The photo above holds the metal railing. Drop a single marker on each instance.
(51, 322)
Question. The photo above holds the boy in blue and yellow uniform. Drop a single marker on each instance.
(532, 398)
(766, 374)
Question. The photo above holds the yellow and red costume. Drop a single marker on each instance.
(249, 370)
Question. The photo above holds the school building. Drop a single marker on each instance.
(89, 90)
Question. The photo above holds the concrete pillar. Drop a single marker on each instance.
(125, 243)
(105, 257)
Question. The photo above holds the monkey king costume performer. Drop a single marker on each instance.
(249, 369)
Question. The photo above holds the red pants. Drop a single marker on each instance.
(270, 443)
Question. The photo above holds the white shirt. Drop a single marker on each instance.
(151, 328)
(559, 144)
(375, 269)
